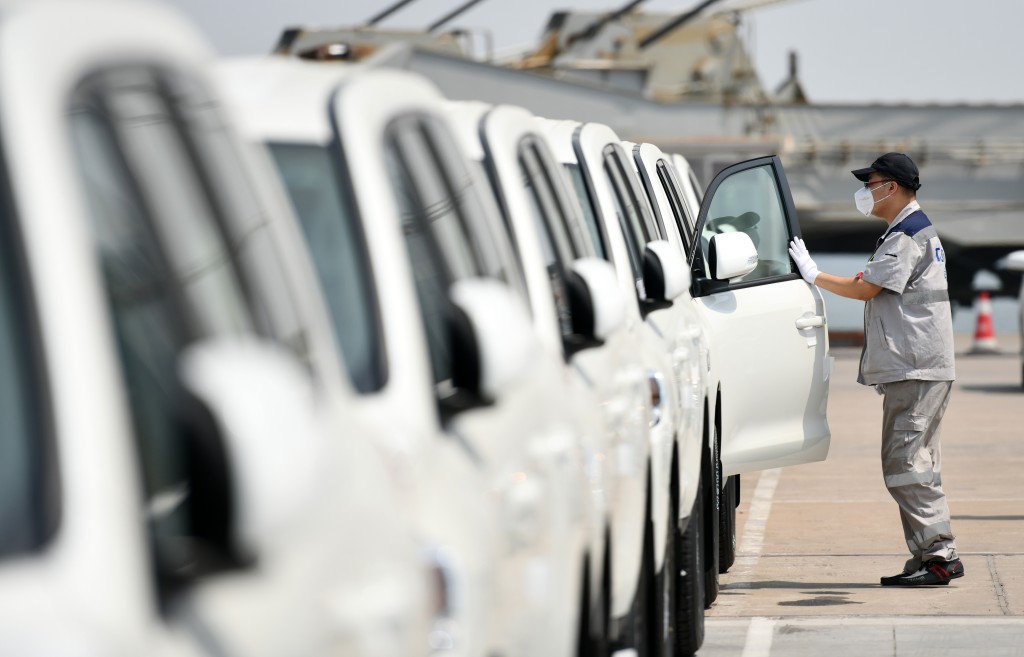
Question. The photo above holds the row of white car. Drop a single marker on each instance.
(301, 358)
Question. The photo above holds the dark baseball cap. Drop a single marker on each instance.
(896, 166)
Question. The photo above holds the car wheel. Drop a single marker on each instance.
(665, 584)
(710, 478)
(638, 629)
(689, 607)
(727, 524)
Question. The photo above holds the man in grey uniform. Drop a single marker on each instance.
(907, 357)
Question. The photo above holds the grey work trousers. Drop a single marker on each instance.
(912, 465)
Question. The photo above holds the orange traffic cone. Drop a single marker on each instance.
(984, 334)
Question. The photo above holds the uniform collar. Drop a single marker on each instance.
(911, 208)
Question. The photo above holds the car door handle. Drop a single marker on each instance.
(810, 322)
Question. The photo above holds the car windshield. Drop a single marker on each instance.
(326, 212)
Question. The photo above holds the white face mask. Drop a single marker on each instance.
(866, 201)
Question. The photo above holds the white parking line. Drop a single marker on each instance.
(759, 637)
(749, 552)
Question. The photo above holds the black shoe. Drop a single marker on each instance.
(893, 580)
(932, 573)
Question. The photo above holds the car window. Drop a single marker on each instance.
(170, 280)
(432, 277)
(327, 215)
(750, 201)
(670, 183)
(575, 176)
(556, 245)
(628, 217)
(22, 442)
(246, 228)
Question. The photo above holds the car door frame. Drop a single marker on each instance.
(801, 433)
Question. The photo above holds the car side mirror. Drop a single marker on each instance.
(666, 275)
(731, 255)
(494, 343)
(261, 402)
(596, 301)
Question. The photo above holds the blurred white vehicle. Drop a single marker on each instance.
(661, 185)
(653, 276)
(170, 478)
(1015, 262)
(579, 312)
(412, 256)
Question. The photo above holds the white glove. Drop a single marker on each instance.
(803, 260)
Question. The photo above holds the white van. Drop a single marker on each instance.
(429, 302)
(169, 479)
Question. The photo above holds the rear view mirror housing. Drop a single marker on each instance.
(731, 255)
(262, 404)
(597, 303)
(494, 343)
(666, 274)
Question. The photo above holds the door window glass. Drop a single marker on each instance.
(750, 201)
(629, 220)
(575, 175)
(147, 320)
(21, 439)
(170, 280)
(550, 228)
(335, 241)
(431, 276)
(247, 229)
(669, 182)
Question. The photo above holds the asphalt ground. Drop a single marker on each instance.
(814, 539)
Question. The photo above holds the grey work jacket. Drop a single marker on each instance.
(908, 326)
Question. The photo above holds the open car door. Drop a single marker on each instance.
(769, 343)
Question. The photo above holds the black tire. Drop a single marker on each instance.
(689, 608)
(710, 478)
(665, 584)
(585, 635)
(727, 524)
(638, 628)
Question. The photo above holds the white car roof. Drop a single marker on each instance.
(281, 98)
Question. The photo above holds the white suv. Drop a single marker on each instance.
(169, 480)
(427, 302)
(769, 362)
(580, 313)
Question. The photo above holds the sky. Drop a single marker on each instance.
(918, 51)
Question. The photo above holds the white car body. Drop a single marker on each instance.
(502, 483)
(582, 145)
(773, 400)
(318, 565)
(691, 369)
(607, 384)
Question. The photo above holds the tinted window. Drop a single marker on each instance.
(431, 277)
(669, 182)
(147, 320)
(328, 220)
(628, 217)
(556, 247)
(587, 206)
(21, 439)
(170, 279)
